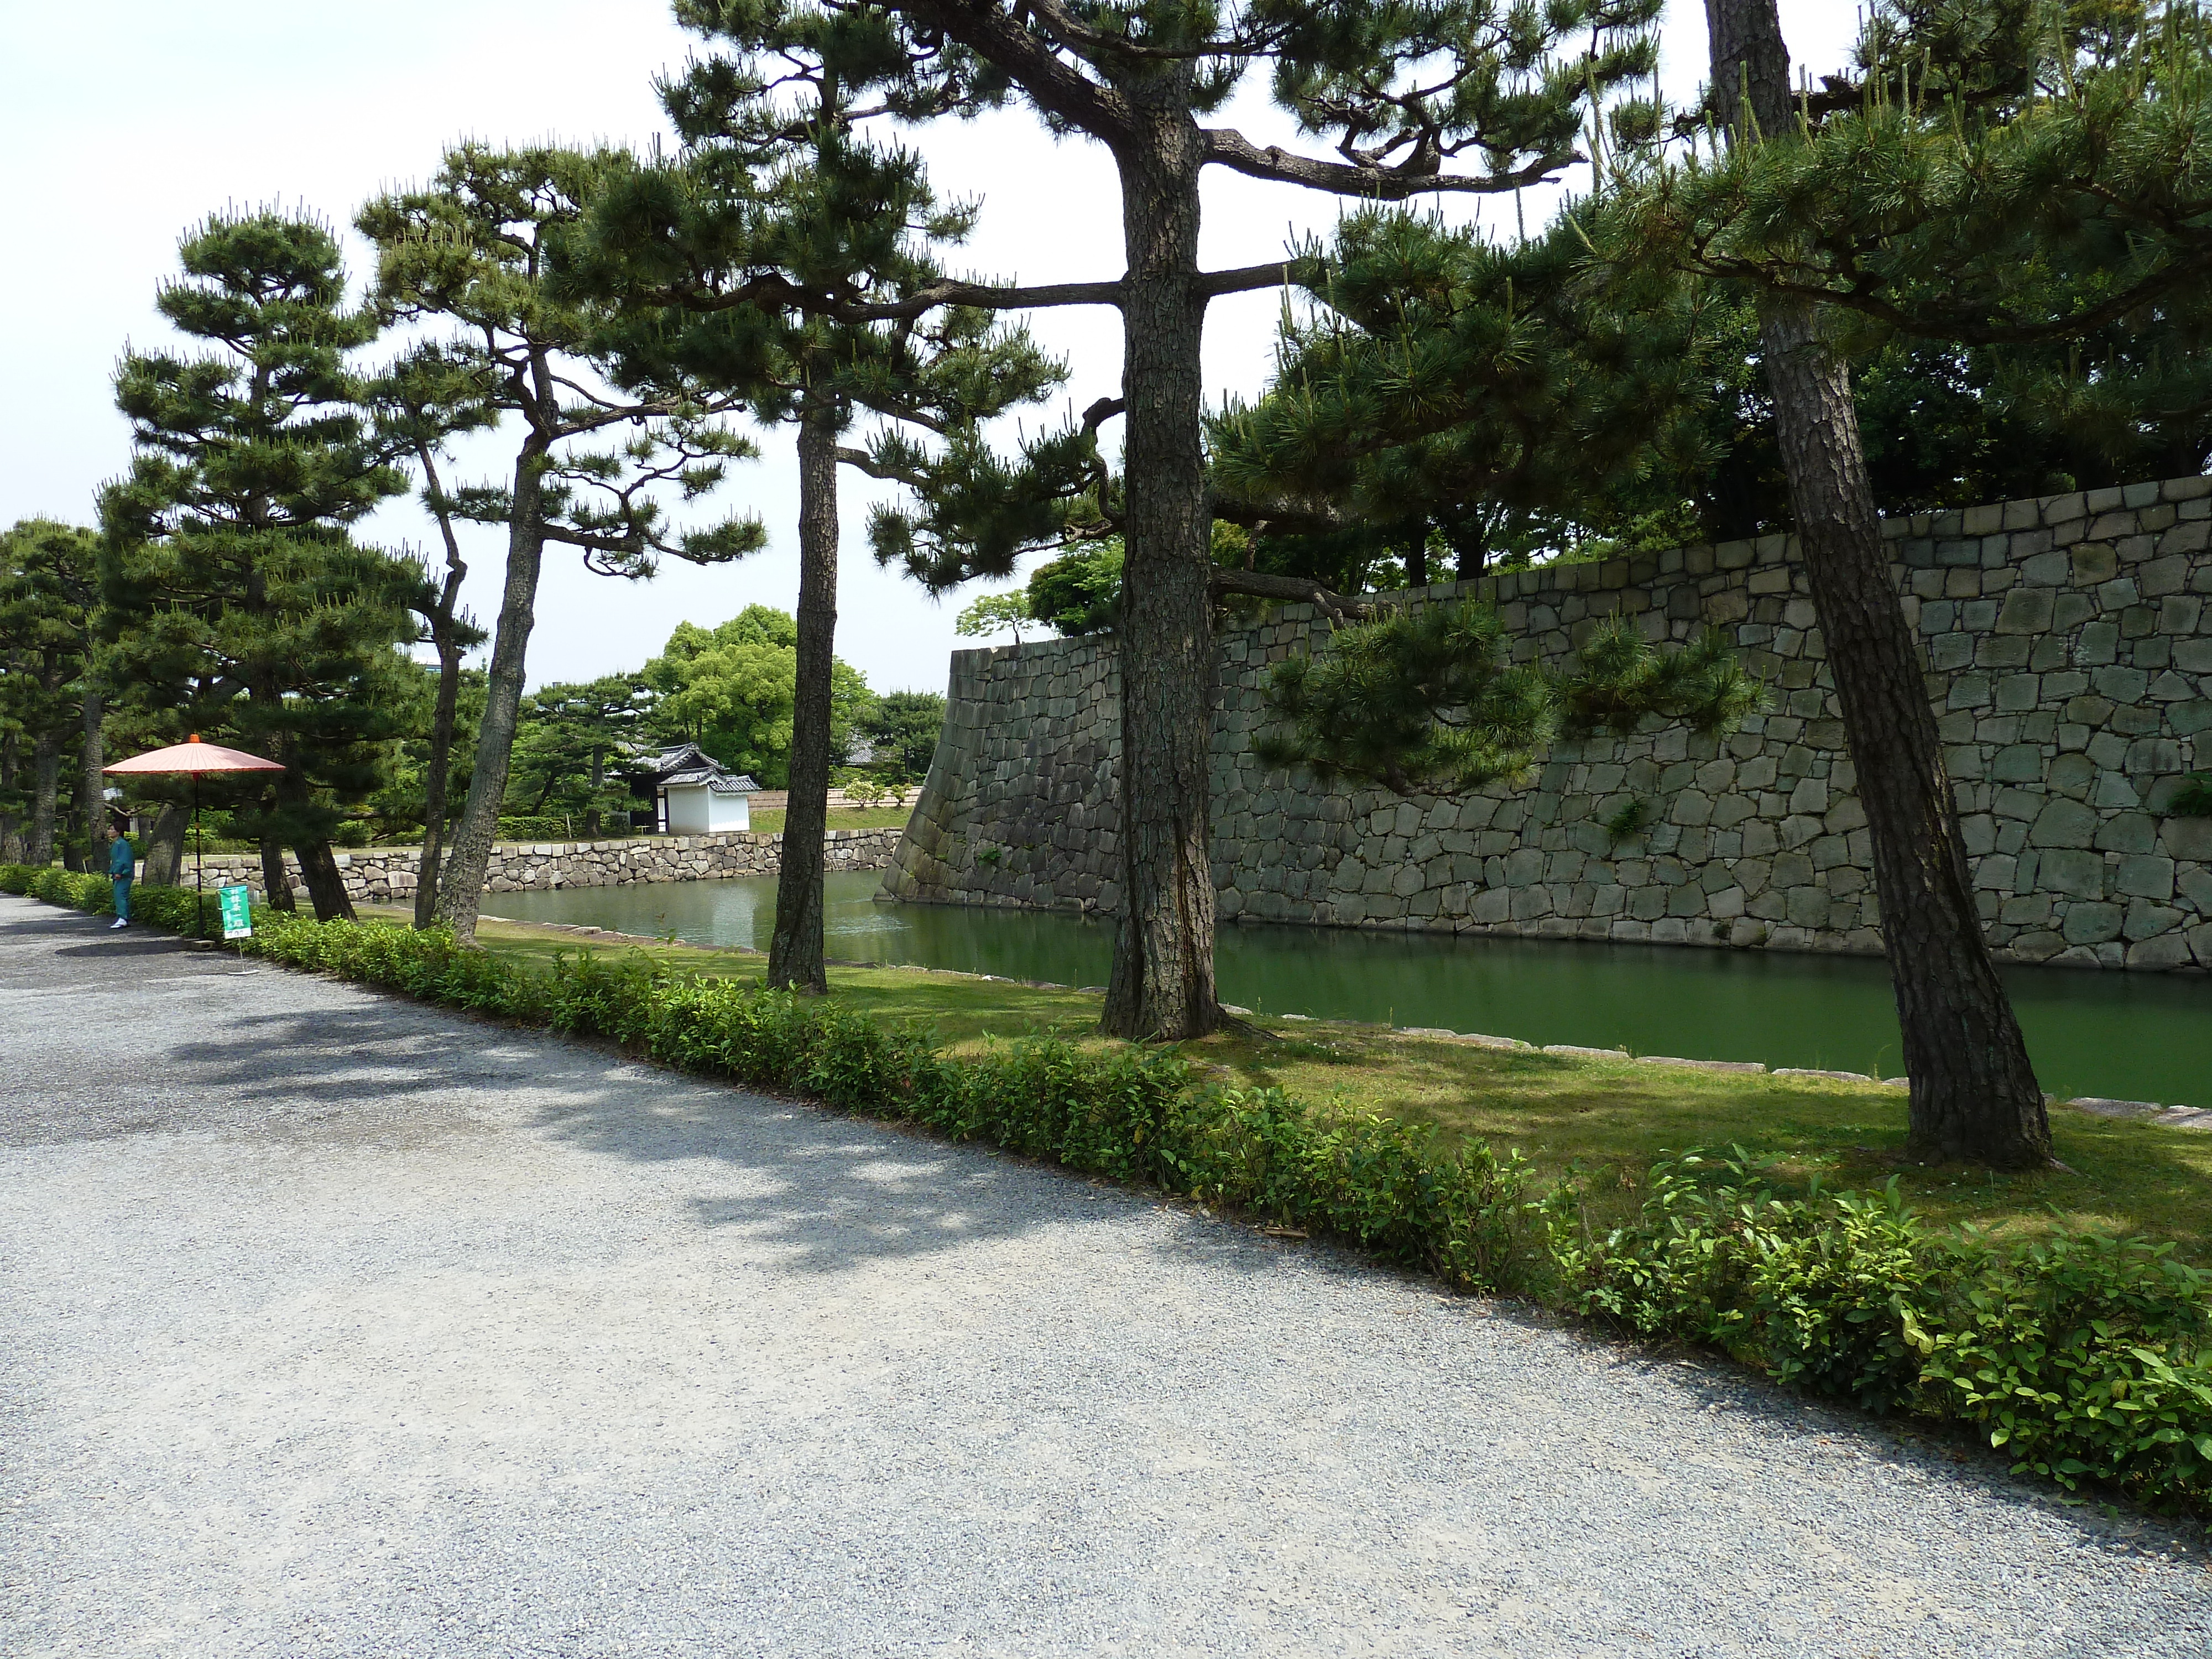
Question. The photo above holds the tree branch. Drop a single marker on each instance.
(1417, 175)
(1282, 272)
(997, 35)
(1287, 590)
(860, 461)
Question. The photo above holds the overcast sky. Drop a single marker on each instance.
(123, 123)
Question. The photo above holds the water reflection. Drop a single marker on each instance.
(2135, 1036)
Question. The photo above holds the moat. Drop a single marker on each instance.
(2137, 1036)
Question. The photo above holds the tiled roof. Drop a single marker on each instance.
(687, 764)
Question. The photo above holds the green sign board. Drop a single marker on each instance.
(237, 913)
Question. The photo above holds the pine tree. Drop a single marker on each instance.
(1464, 96)
(722, 260)
(1993, 172)
(1448, 383)
(423, 401)
(473, 251)
(1994, 184)
(237, 603)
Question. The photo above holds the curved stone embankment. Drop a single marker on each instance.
(2068, 655)
(388, 874)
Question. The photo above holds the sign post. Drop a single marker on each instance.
(237, 912)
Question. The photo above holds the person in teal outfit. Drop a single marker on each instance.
(122, 865)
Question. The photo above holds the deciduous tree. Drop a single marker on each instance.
(734, 692)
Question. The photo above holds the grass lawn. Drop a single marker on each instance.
(1559, 1110)
(766, 821)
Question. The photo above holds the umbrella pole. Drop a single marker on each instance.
(200, 866)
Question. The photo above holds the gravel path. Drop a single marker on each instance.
(333, 1325)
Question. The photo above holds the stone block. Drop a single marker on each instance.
(2186, 838)
(2063, 822)
(2127, 832)
(2075, 872)
(1808, 906)
(2122, 685)
(2159, 577)
(2165, 952)
(2094, 563)
(2091, 923)
(2096, 643)
(2148, 920)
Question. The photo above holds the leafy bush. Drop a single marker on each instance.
(2086, 1357)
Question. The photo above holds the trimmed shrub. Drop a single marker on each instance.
(2086, 1358)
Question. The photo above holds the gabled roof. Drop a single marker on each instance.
(686, 763)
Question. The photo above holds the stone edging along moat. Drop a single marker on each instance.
(2172, 1117)
(388, 874)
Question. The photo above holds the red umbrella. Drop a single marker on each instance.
(194, 756)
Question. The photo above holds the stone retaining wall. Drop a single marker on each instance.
(389, 875)
(2068, 655)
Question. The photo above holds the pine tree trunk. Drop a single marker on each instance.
(11, 830)
(1162, 983)
(794, 951)
(276, 879)
(165, 847)
(319, 868)
(440, 763)
(92, 779)
(45, 796)
(460, 885)
(1974, 1096)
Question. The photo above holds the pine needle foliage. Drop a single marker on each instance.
(2029, 178)
(237, 603)
(1428, 701)
(1436, 366)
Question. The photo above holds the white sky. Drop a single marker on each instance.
(125, 122)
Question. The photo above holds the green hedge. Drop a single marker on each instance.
(2088, 1358)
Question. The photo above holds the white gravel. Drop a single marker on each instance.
(334, 1325)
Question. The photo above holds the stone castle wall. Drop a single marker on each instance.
(2069, 647)
(389, 875)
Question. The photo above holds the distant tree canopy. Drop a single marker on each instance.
(903, 730)
(732, 690)
(49, 590)
(571, 743)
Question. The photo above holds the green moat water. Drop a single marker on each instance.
(2132, 1036)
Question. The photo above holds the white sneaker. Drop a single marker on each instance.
(118, 922)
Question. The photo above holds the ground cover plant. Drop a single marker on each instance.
(2085, 1355)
